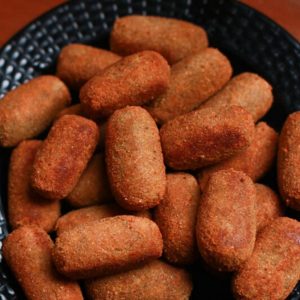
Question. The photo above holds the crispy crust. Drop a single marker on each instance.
(173, 39)
(273, 270)
(193, 80)
(29, 109)
(24, 206)
(78, 63)
(288, 161)
(176, 218)
(247, 90)
(255, 161)
(106, 247)
(226, 223)
(134, 80)
(92, 187)
(153, 281)
(27, 251)
(134, 159)
(268, 206)
(93, 213)
(70, 110)
(206, 136)
(63, 156)
(84, 215)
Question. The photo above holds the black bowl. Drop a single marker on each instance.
(250, 40)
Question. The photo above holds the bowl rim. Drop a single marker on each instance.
(267, 19)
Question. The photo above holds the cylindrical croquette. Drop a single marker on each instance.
(247, 90)
(78, 63)
(206, 137)
(29, 109)
(273, 270)
(226, 222)
(192, 81)
(92, 213)
(172, 38)
(255, 161)
(27, 251)
(153, 281)
(288, 161)
(71, 110)
(84, 215)
(24, 206)
(268, 206)
(106, 247)
(176, 218)
(134, 159)
(133, 80)
(63, 156)
(93, 186)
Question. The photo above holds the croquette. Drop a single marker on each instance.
(92, 213)
(205, 137)
(85, 215)
(133, 80)
(247, 90)
(71, 110)
(273, 270)
(63, 156)
(27, 251)
(176, 218)
(29, 109)
(268, 206)
(193, 80)
(92, 187)
(288, 161)
(226, 222)
(134, 159)
(173, 39)
(78, 63)
(255, 161)
(107, 246)
(24, 206)
(153, 281)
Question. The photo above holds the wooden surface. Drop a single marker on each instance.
(15, 14)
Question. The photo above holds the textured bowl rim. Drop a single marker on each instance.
(49, 12)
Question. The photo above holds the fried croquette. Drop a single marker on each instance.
(93, 213)
(205, 137)
(134, 159)
(153, 281)
(176, 218)
(63, 156)
(226, 222)
(273, 270)
(268, 206)
(193, 80)
(288, 160)
(29, 109)
(247, 90)
(25, 207)
(106, 247)
(255, 161)
(93, 186)
(78, 63)
(27, 251)
(173, 39)
(133, 80)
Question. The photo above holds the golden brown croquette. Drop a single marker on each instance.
(134, 159)
(63, 156)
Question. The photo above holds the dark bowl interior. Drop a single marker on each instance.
(250, 40)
